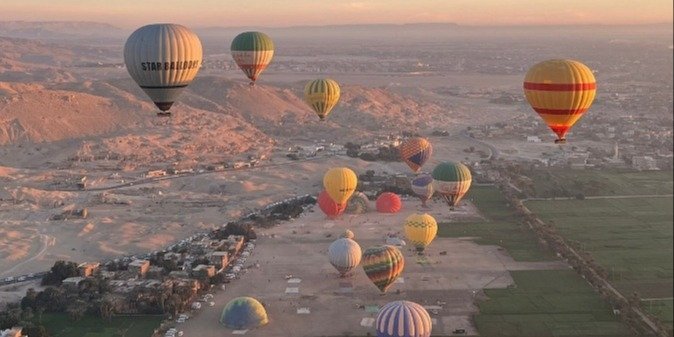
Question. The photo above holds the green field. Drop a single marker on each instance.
(547, 303)
(554, 182)
(631, 238)
(59, 325)
(501, 228)
(543, 303)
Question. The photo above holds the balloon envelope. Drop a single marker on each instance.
(344, 254)
(422, 186)
(388, 202)
(560, 91)
(322, 95)
(340, 182)
(452, 181)
(163, 59)
(403, 319)
(420, 230)
(244, 313)
(331, 209)
(252, 52)
(415, 152)
(383, 265)
(358, 203)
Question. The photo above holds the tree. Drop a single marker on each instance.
(106, 309)
(59, 272)
(35, 330)
(28, 301)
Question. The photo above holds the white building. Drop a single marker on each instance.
(533, 139)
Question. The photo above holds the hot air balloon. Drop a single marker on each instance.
(415, 152)
(422, 186)
(340, 182)
(244, 313)
(163, 59)
(322, 95)
(348, 234)
(358, 203)
(420, 230)
(331, 209)
(388, 202)
(252, 52)
(383, 265)
(452, 181)
(560, 91)
(403, 319)
(344, 255)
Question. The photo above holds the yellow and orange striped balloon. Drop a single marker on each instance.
(560, 91)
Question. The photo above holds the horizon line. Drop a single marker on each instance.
(669, 23)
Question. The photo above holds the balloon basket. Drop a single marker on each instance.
(560, 141)
(164, 114)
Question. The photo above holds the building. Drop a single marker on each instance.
(644, 163)
(73, 282)
(155, 173)
(203, 270)
(88, 268)
(219, 259)
(235, 243)
(139, 267)
(13, 332)
(533, 139)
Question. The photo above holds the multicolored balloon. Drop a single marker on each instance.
(560, 91)
(388, 202)
(340, 183)
(383, 265)
(420, 230)
(163, 59)
(322, 95)
(422, 186)
(331, 209)
(252, 52)
(403, 319)
(358, 203)
(415, 152)
(344, 254)
(452, 181)
(244, 313)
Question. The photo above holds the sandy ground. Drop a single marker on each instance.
(455, 279)
(154, 215)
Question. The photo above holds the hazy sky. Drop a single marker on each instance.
(199, 13)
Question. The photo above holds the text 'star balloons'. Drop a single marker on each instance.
(415, 152)
(452, 181)
(420, 230)
(322, 95)
(383, 265)
(244, 313)
(388, 202)
(403, 319)
(422, 186)
(340, 182)
(560, 91)
(252, 52)
(344, 254)
(331, 209)
(163, 59)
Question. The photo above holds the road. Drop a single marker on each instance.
(493, 151)
(47, 241)
(595, 197)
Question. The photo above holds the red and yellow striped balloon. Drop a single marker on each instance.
(560, 91)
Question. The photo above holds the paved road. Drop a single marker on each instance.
(595, 197)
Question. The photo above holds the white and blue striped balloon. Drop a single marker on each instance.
(403, 319)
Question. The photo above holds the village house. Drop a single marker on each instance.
(87, 269)
(139, 267)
